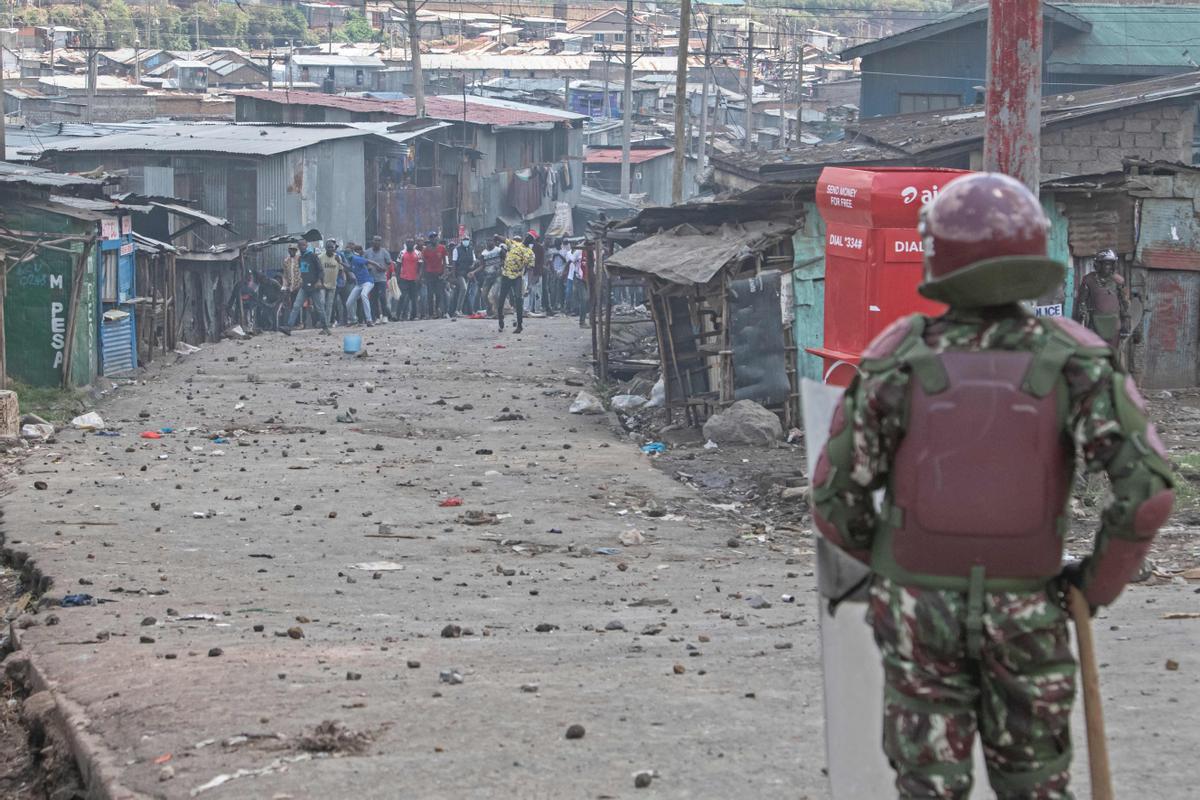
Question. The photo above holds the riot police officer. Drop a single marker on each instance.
(1101, 303)
(970, 422)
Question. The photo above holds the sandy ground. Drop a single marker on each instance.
(211, 552)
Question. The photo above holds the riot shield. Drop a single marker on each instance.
(853, 674)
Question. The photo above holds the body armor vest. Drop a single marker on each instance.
(981, 477)
(980, 482)
(1104, 305)
(1103, 296)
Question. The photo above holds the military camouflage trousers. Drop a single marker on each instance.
(1003, 668)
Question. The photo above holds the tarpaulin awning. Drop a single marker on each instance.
(688, 254)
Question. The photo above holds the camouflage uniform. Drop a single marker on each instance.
(1015, 682)
(1103, 305)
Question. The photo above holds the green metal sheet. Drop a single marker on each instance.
(1058, 247)
(808, 292)
(1130, 36)
(37, 307)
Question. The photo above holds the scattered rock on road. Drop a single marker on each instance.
(575, 732)
(332, 736)
(632, 537)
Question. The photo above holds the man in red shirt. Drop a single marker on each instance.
(433, 256)
(410, 281)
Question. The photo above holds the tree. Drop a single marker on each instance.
(357, 29)
(229, 27)
(120, 30)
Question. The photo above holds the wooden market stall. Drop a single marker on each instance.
(718, 288)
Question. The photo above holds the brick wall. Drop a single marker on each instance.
(1161, 132)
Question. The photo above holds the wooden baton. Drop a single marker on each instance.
(1093, 713)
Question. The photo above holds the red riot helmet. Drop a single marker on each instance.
(984, 239)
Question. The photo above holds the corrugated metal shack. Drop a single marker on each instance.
(49, 317)
(523, 160)
(483, 163)
(1147, 213)
(265, 179)
(164, 305)
(717, 280)
(156, 316)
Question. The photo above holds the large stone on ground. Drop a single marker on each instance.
(744, 422)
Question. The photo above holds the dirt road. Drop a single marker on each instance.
(299, 570)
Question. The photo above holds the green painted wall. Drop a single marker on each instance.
(808, 291)
(36, 308)
(1058, 247)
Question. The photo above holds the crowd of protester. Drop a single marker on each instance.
(326, 283)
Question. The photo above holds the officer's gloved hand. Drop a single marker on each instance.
(1072, 576)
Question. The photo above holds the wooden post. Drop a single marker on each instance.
(1092, 711)
(749, 85)
(592, 279)
(703, 163)
(684, 388)
(627, 102)
(10, 414)
(656, 300)
(414, 41)
(3, 295)
(73, 312)
(1012, 137)
(681, 67)
(606, 328)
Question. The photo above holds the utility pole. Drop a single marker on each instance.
(604, 99)
(93, 54)
(784, 123)
(704, 96)
(137, 61)
(270, 69)
(1012, 140)
(414, 41)
(749, 84)
(197, 20)
(3, 157)
(329, 35)
(681, 99)
(626, 100)
(800, 100)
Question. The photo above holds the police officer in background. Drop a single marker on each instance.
(970, 423)
(1101, 303)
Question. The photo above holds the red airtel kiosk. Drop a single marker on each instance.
(873, 256)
